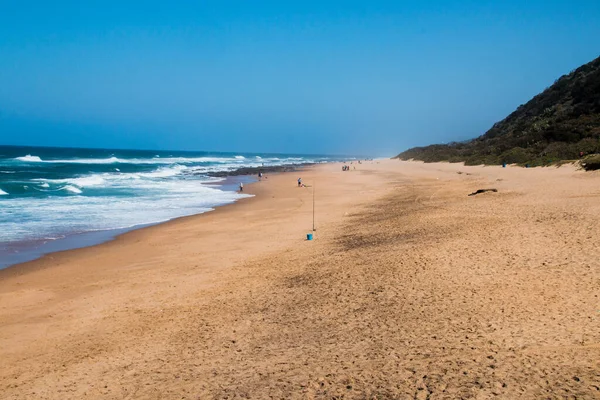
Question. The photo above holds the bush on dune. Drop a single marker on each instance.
(591, 163)
(558, 124)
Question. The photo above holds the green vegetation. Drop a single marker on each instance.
(558, 124)
(591, 163)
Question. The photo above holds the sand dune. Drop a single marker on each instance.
(411, 289)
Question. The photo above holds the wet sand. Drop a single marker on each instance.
(411, 289)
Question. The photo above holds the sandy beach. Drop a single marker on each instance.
(411, 289)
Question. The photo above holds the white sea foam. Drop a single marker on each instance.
(29, 158)
(164, 172)
(157, 181)
(3, 193)
(110, 160)
(163, 201)
(72, 189)
(115, 160)
(93, 180)
(171, 160)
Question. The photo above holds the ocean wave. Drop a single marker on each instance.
(87, 181)
(31, 218)
(57, 237)
(139, 180)
(29, 158)
(164, 172)
(71, 189)
(115, 160)
(3, 193)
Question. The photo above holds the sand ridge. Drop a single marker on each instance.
(411, 289)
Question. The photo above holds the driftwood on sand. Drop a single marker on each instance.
(482, 191)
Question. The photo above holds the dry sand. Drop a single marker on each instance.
(411, 289)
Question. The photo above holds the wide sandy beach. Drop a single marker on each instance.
(411, 289)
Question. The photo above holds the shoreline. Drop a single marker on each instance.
(92, 239)
(34, 250)
(409, 288)
(106, 237)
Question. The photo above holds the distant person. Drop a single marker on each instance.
(260, 175)
(299, 182)
(241, 187)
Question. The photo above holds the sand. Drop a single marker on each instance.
(411, 289)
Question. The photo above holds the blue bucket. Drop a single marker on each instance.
(309, 236)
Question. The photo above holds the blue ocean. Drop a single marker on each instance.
(58, 198)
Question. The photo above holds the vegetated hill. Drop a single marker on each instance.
(557, 124)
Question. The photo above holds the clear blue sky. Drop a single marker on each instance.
(344, 77)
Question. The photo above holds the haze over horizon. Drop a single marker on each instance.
(311, 77)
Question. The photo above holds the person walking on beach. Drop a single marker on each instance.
(241, 187)
(299, 182)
